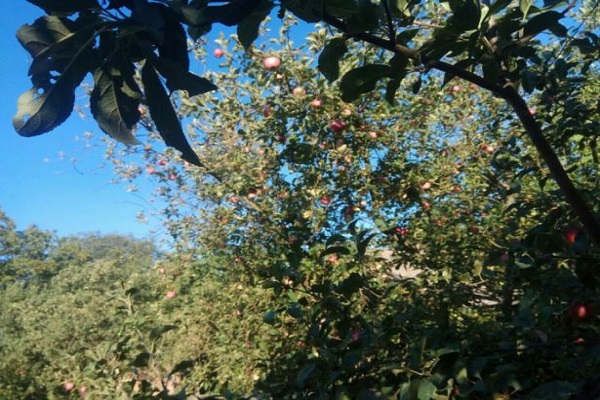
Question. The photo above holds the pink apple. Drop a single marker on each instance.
(162, 162)
(150, 171)
(218, 53)
(171, 294)
(83, 391)
(532, 111)
(373, 135)
(162, 271)
(487, 148)
(299, 91)
(316, 103)
(172, 177)
(272, 62)
(68, 386)
(325, 201)
(337, 126)
(454, 89)
(426, 185)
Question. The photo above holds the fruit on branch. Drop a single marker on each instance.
(272, 62)
(337, 125)
(218, 53)
(579, 311)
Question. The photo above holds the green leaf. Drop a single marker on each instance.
(362, 80)
(50, 102)
(183, 366)
(466, 15)
(553, 390)
(164, 116)
(269, 317)
(390, 90)
(308, 11)
(525, 5)
(329, 59)
(174, 41)
(541, 22)
(304, 374)
(248, 29)
(111, 104)
(65, 6)
(160, 330)
(179, 78)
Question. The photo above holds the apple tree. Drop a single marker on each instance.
(410, 248)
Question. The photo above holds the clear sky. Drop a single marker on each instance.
(39, 184)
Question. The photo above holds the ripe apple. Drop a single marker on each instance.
(325, 201)
(454, 89)
(580, 311)
(147, 147)
(570, 235)
(337, 126)
(355, 335)
(162, 271)
(487, 148)
(532, 111)
(267, 111)
(171, 294)
(150, 171)
(373, 135)
(83, 391)
(162, 162)
(172, 177)
(299, 91)
(426, 185)
(316, 103)
(218, 53)
(272, 62)
(346, 112)
(68, 386)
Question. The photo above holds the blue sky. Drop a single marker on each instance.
(39, 183)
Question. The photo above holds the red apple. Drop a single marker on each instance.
(580, 311)
(373, 135)
(400, 231)
(426, 185)
(171, 294)
(83, 391)
(454, 89)
(532, 111)
(267, 111)
(68, 386)
(487, 148)
(299, 91)
(272, 62)
(162, 162)
(218, 53)
(571, 236)
(172, 177)
(316, 103)
(337, 126)
(147, 147)
(150, 171)
(355, 335)
(325, 201)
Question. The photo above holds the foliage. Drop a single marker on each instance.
(378, 231)
(494, 46)
(308, 209)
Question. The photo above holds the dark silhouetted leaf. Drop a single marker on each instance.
(304, 374)
(542, 22)
(174, 44)
(308, 11)
(65, 6)
(52, 98)
(466, 15)
(247, 29)
(329, 60)
(114, 102)
(362, 80)
(179, 78)
(269, 317)
(164, 116)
